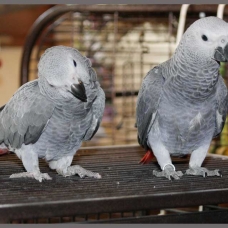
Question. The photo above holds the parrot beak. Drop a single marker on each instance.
(221, 55)
(78, 90)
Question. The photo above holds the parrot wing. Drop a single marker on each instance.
(222, 102)
(97, 110)
(24, 117)
(147, 104)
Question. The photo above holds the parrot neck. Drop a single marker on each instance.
(51, 92)
(191, 79)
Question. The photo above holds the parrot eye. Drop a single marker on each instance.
(204, 38)
(75, 64)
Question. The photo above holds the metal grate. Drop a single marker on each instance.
(125, 187)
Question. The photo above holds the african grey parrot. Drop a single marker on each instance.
(182, 103)
(51, 116)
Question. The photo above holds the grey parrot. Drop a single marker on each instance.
(50, 117)
(182, 103)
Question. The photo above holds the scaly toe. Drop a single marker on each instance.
(45, 176)
(169, 175)
(36, 175)
(21, 175)
(76, 169)
(97, 176)
(200, 171)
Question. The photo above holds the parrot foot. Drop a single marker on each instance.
(168, 172)
(200, 171)
(36, 175)
(76, 169)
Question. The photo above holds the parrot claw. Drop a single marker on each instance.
(200, 171)
(76, 169)
(220, 173)
(171, 178)
(36, 175)
(169, 173)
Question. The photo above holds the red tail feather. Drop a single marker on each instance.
(3, 151)
(147, 157)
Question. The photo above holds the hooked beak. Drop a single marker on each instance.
(221, 55)
(78, 90)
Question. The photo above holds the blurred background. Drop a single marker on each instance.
(123, 42)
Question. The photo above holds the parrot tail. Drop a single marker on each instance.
(147, 157)
(3, 151)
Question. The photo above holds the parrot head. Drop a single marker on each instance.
(206, 38)
(65, 69)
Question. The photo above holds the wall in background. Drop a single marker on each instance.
(9, 72)
(15, 21)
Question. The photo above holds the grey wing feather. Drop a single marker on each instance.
(222, 102)
(25, 116)
(97, 110)
(147, 103)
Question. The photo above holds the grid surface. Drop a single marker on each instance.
(125, 186)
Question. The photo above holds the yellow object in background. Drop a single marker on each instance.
(9, 72)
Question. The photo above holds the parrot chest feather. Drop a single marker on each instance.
(182, 124)
(195, 122)
(65, 131)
